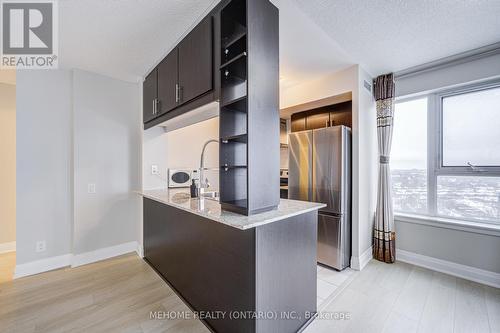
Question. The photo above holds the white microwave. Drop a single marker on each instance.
(181, 177)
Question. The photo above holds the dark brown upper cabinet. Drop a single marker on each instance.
(298, 122)
(342, 114)
(330, 115)
(317, 120)
(184, 78)
(168, 87)
(150, 96)
(195, 62)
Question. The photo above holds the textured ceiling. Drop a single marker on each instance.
(123, 38)
(306, 51)
(126, 38)
(391, 35)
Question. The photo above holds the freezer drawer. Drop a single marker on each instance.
(334, 247)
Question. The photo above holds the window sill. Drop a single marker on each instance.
(441, 222)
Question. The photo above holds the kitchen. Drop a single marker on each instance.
(220, 157)
(222, 102)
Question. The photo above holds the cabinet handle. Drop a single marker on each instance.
(154, 106)
(176, 93)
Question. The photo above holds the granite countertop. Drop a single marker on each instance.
(211, 209)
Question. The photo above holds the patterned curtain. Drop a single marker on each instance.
(384, 237)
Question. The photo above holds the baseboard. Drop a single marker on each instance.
(462, 271)
(358, 263)
(42, 265)
(49, 264)
(104, 253)
(140, 250)
(7, 247)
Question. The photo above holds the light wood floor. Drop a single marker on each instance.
(117, 295)
(405, 298)
(7, 265)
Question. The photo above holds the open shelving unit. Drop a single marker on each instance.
(234, 106)
(248, 188)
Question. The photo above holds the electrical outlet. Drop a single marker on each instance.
(155, 170)
(91, 188)
(41, 246)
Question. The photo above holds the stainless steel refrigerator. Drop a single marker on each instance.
(320, 171)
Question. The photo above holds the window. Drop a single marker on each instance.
(409, 156)
(445, 159)
(471, 123)
(469, 197)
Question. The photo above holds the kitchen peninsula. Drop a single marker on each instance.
(258, 270)
(249, 256)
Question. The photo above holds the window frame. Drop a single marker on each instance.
(459, 170)
(435, 167)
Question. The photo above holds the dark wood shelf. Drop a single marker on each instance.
(232, 80)
(240, 32)
(236, 106)
(236, 58)
(234, 100)
(235, 138)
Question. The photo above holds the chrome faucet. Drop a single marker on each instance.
(203, 183)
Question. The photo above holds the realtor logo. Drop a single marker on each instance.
(29, 31)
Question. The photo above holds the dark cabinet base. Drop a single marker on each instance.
(214, 267)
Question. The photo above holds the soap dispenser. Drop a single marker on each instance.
(194, 189)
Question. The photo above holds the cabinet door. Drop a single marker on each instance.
(168, 93)
(150, 91)
(341, 114)
(196, 62)
(318, 120)
(298, 122)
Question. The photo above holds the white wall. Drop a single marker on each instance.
(154, 152)
(340, 82)
(364, 140)
(180, 148)
(107, 138)
(75, 127)
(367, 163)
(184, 147)
(461, 247)
(44, 160)
(7, 163)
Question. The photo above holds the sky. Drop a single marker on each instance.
(471, 128)
(471, 131)
(409, 140)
